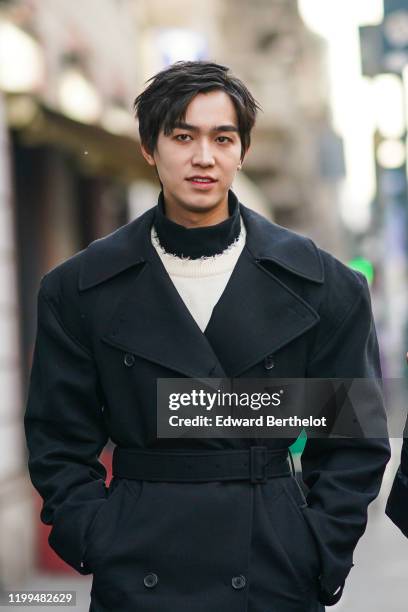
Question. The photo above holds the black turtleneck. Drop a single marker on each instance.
(197, 242)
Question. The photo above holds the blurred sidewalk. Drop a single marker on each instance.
(378, 580)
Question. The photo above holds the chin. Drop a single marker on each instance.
(202, 201)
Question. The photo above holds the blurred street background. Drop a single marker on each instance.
(328, 160)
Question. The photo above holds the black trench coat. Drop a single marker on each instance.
(110, 323)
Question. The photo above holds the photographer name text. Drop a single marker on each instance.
(259, 421)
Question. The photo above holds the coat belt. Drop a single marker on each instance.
(255, 464)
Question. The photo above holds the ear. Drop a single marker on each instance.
(148, 157)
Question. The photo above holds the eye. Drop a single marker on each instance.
(182, 137)
(224, 139)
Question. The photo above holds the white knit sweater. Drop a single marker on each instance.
(201, 282)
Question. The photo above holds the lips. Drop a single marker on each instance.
(203, 180)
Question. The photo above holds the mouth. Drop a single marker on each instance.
(204, 182)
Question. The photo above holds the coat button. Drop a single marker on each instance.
(269, 362)
(129, 360)
(238, 582)
(150, 580)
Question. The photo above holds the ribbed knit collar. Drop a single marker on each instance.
(196, 242)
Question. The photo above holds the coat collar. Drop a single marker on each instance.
(129, 246)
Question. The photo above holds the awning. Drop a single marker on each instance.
(98, 151)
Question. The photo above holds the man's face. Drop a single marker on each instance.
(198, 161)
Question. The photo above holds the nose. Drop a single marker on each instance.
(203, 155)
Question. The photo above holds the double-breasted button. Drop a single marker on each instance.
(238, 582)
(129, 360)
(269, 362)
(150, 580)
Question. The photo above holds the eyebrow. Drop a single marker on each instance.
(193, 128)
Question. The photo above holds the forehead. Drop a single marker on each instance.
(212, 108)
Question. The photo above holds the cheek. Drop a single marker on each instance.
(232, 158)
(170, 161)
(175, 164)
(230, 164)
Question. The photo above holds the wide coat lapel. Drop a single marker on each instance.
(151, 320)
(257, 314)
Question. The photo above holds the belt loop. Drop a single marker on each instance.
(257, 464)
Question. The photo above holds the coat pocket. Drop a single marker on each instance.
(107, 522)
(293, 535)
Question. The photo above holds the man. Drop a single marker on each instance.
(397, 503)
(198, 286)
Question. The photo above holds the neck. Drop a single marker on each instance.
(193, 217)
(198, 240)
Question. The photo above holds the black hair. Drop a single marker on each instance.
(164, 101)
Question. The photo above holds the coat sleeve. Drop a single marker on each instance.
(65, 432)
(344, 475)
